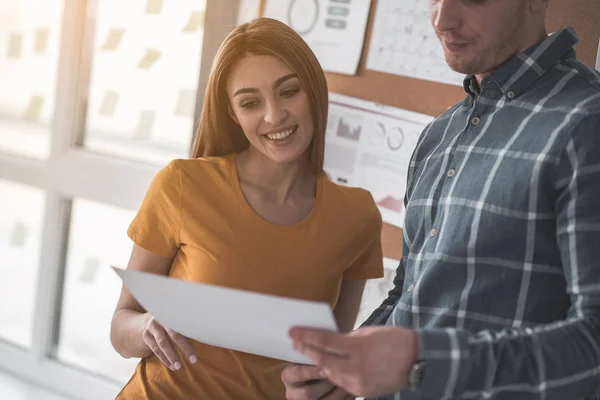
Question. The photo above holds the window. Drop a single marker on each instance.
(20, 239)
(97, 241)
(29, 49)
(95, 97)
(138, 50)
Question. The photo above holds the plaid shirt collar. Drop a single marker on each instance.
(516, 75)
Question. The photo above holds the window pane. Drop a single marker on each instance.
(144, 78)
(97, 240)
(29, 49)
(20, 241)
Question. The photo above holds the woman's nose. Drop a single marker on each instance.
(275, 114)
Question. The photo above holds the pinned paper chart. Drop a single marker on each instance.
(334, 29)
(404, 43)
(369, 145)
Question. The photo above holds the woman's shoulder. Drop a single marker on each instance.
(348, 193)
(351, 200)
(202, 167)
(202, 163)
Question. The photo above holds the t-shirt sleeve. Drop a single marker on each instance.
(368, 263)
(156, 226)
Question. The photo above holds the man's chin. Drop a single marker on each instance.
(462, 66)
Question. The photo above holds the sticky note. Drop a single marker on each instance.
(145, 124)
(151, 56)
(34, 109)
(196, 21)
(18, 236)
(15, 42)
(153, 6)
(113, 39)
(109, 104)
(90, 268)
(41, 40)
(186, 103)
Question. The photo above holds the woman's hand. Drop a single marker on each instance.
(162, 341)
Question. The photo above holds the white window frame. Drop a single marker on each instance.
(72, 172)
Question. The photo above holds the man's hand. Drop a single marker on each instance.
(367, 362)
(305, 382)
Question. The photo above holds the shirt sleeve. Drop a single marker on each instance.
(555, 361)
(156, 227)
(368, 263)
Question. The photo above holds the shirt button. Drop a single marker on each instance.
(451, 173)
(511, 94)
(433, 232)
(475, 120)
(411, 288)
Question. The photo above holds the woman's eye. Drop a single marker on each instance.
(249, 104)
(289, 93)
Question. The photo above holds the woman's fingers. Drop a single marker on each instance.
(163, 341)
(184, 345)
(149, 339)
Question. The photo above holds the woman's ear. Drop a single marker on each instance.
(232, 114)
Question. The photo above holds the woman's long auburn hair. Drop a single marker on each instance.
(218, 134)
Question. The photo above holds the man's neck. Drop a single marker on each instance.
(543, 34)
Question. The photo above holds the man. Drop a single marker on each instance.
(497, 294)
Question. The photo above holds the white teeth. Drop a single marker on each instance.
(281, 135)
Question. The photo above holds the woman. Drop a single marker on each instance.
(251, 210)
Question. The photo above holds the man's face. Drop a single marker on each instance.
(480, 35)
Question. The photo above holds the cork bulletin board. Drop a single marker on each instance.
(434, 98)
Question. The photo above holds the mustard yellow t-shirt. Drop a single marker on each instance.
(195, 211)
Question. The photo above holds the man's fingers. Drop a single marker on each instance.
(316, 390)
(184, 345)
(299, 375)
(337, 394)
(321, 357)
(330, 341)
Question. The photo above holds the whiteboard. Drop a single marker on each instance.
(404, 43)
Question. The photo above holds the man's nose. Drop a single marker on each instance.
(446, 15)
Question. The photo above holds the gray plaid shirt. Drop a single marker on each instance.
(500, 273)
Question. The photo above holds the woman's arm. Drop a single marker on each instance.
(130, 318)
(134, 332)
(346, 309)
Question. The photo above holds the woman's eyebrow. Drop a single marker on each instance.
(277, 83)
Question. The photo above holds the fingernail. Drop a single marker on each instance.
(322, 374)
(177, 366)
(193, 359)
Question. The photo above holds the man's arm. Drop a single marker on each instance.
(555, 361)
(381, 314)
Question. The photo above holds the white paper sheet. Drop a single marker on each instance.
(334, 29)
(598, 58)
(235, 319)
(404, 43)
(369, 145)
